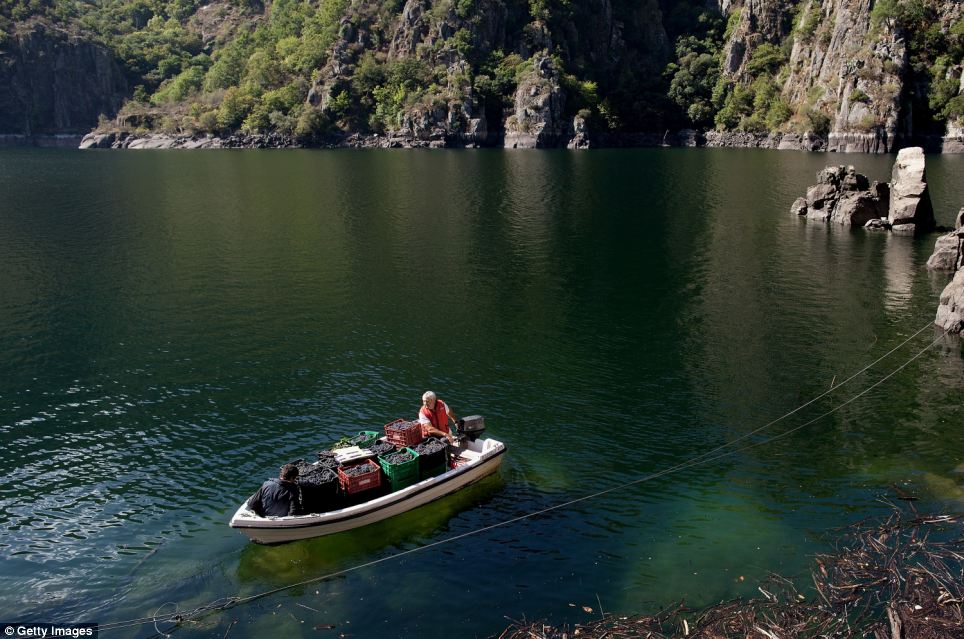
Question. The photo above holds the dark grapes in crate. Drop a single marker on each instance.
(382, 447)
(400, 457)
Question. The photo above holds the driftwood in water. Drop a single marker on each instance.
(899, 579)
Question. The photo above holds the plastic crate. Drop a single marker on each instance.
(365, 481)
(402, 474)
(431, 464)
(382, 447)
(425, 473)
(403, 433)
(319, 490)
(365, 438)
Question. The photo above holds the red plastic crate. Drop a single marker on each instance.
(403, 433)
(358, 483)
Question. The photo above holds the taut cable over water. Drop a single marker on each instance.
(703, 458)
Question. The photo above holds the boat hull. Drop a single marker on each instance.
(273, 530)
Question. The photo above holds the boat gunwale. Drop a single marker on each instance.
(327, 518)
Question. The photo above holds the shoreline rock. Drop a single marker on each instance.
(576, 135)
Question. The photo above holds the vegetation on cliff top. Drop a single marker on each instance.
(250, 65)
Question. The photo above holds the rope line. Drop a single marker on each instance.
(703, 458)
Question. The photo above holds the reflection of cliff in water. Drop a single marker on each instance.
(899, 261)
(299, 560)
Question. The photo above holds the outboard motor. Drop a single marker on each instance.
(471, 427)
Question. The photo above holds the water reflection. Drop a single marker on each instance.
(899, 271)
(296, 561)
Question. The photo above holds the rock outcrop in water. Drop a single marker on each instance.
(950, 310)
(949, 256)
(843, 196)
(846, 197)
(910, 201)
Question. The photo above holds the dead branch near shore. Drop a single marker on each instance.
(902, 578)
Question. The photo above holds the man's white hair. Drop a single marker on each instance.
(428, 396)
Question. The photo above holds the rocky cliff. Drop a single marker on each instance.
(839, 75)
(56, 83)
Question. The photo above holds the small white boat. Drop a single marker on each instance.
(474, 461)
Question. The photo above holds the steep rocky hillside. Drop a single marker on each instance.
(55, 82)
(853, 75)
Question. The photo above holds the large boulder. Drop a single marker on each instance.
(947, 252)
(910, 200)
(843, 196)
(856, 208)
(950, 312)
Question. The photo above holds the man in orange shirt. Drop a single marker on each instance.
(434, 417)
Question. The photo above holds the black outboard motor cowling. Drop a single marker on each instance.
(471, 427)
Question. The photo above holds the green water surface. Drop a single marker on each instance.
(175, 325)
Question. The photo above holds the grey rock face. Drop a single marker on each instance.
(537, 120)
(910, 201)
(53, 83)
(849, 71)
(947, 253)
(843, 196)
(857, 208)
(97, 141)
(581, 138)
(950, 312)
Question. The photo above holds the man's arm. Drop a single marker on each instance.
(254, 503)
(294, 504)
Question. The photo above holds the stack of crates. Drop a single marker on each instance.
(400, 474)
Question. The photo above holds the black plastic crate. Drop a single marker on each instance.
(432, 457)
(319, 490)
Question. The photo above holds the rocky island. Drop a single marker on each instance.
(902, 206)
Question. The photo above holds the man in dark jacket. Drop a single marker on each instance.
(278, 497)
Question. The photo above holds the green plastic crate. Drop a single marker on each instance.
(365, 438)
(400, 475)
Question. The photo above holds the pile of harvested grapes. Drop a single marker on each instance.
(429, 446)
(357, 470)
(400, 457)
(327, 459)
(381, 447)
(317, 476)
